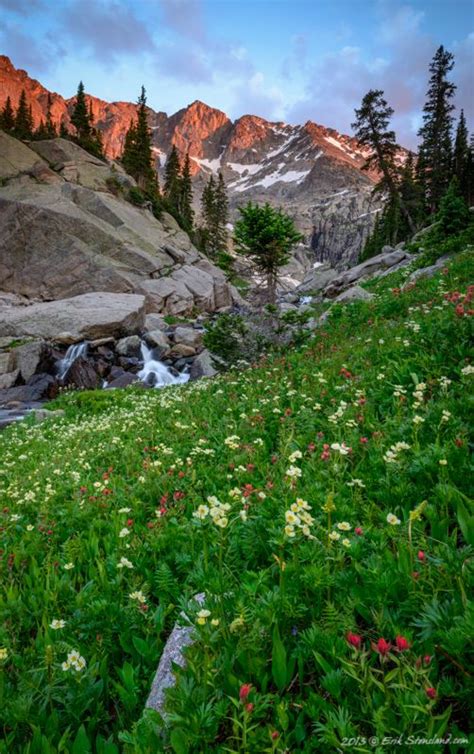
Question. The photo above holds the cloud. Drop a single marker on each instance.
(185, 17)
(255, 97)
(108, 28)
(185, 65)
(337, 83)
(21, 7)
(26, 52)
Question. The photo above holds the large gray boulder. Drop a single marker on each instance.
(366, 270)
(16, 158)
(86, 317)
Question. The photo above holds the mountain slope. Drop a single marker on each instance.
(313, 172)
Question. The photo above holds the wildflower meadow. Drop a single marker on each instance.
(319, 500)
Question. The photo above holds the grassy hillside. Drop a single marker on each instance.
(319, 500)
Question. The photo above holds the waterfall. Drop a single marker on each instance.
(73, 352)
(157, 374)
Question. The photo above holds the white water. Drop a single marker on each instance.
(73, 352)
(157, 374)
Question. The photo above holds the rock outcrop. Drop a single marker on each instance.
(71, 236)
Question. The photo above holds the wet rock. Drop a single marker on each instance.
(129, 346)
(180, 350)
(157, 339)
(124, 380)
(40, 386)
(82, 374)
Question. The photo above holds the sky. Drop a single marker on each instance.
(284, 60)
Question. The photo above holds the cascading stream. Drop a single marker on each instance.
(157, 374)
(73, 353)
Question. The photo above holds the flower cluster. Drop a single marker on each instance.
(391, 455)
(217, 511)
(75, 661)
(297, 517)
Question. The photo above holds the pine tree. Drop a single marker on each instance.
(461, 154)
(470, 174)
(372, 130)
(23, 128)
(49, 125)
(266, 235)
(80, 117)
(221, 215)
(208, 200)
(172, 188)
(137, 157)
(435, 152)
(453, 215)
(186, 213)
(7, 116)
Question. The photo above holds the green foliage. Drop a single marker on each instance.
(7, 116)
(136, 196)
(99, 530)
(266, 236)
(212, 237)
(88, 137)
(434, 165)
(23, 128)
(453, 215)
(137, 157)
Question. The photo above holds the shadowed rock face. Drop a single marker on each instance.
(313, 172)
(61, 238)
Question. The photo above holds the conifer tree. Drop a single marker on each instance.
(461, 154)
(80, 117)
(49, 125)
(137, 157)
(172, 187)
(7, 116)
(470, 174)
(23, 128)
(372, 130)
(186, 213)
(453, 215)
(208, 199)
(221, 214)
(434, 167)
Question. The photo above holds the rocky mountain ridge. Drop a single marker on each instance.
(311, 171)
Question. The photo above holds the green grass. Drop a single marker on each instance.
(121, 475)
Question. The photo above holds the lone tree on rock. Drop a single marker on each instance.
(266, 235)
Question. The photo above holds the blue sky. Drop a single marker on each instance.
(291, 60)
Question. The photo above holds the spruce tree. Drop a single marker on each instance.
(7, 116)
(371, 129)
(208, 200)
(172, 187)
(221, 215)
(137, 157)
(23, 128)
(49, 125)
(186, 214)
(435, 152)
(461, 154)
(453, 215)
(80, 117)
